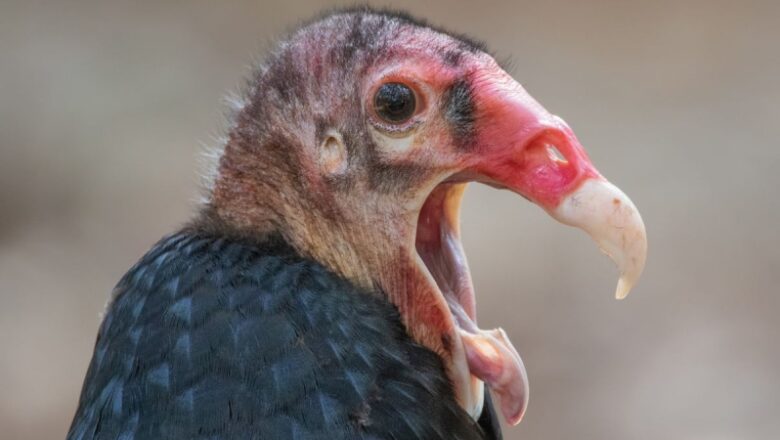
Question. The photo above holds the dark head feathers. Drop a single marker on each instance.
(468, 43)
(311, 82)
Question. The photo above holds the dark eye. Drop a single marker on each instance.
(394, 102)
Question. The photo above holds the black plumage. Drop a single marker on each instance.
(210, 337)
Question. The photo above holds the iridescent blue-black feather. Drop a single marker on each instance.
(218, 338)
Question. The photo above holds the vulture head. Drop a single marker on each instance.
(355, 143)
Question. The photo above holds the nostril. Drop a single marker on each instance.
(555, 154)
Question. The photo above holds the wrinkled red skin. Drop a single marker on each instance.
(513, 133)
(512, 129)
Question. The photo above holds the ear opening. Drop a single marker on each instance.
(333, 156)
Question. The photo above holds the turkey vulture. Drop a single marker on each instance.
(321, 291)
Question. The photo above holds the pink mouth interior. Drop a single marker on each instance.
(489, 353)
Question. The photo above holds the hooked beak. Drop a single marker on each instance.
(529, 151)
(607, 214)
(521, 147)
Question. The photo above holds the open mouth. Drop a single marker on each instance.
(489, 354)
(438, 245)
(535, 155)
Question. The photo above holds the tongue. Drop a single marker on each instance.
(492, 358)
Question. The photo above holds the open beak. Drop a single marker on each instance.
(521, 147)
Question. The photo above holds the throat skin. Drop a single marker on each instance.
(367, 241)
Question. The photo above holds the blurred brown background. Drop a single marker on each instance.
(105, 107)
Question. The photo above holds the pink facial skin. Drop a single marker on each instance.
(515, 136)
(516, 145)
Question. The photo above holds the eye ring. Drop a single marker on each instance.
(395, 103)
